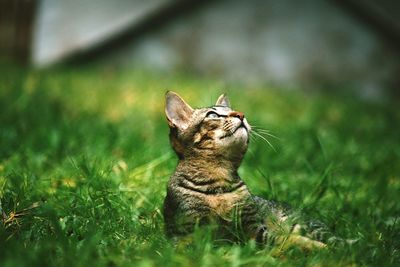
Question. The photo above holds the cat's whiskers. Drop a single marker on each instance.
(259, 132)
(227, 124)
(229, 128)
(267, 133)
(263, 131)
(262, 138)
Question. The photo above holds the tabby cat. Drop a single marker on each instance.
(206, 188)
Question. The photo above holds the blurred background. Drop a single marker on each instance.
(312, 44)
(84, 149)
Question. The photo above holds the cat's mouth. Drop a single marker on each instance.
(233, 131)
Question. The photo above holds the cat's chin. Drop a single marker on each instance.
(241, 132)
(239, 139)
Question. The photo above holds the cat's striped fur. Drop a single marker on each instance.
(206, 188)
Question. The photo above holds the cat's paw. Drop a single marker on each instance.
(296, 240)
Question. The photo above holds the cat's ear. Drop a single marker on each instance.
(177, 110)
(223, 101)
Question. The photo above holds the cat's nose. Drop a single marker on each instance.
(237, 114)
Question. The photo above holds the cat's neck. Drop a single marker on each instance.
(208, 167)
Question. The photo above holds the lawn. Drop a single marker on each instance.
(85, 158)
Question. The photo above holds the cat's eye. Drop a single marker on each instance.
(212, 115)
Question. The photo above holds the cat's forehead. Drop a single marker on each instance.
(222, 110)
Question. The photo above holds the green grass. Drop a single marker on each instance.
(85, 158)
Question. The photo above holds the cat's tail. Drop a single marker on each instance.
(318, 230)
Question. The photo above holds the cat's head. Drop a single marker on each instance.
(216, 131)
